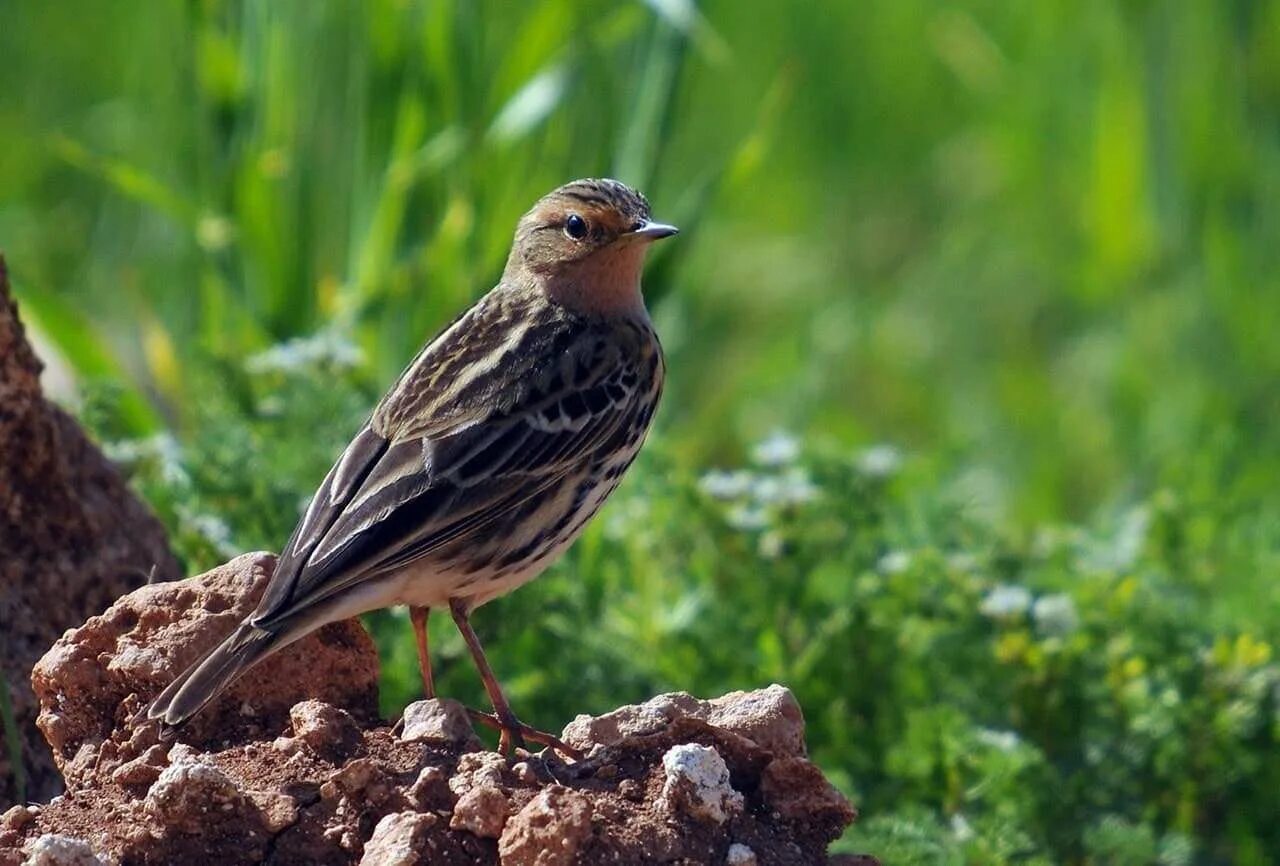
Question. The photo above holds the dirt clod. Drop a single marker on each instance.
(293, 764)
(324, 728)
(698, 783)
(53, 849)
(548, 831)
(482, 811)
(438, 720)
(398, 840)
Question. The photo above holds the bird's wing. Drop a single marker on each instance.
(436, 464)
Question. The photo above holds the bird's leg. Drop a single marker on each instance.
(418, 616)
(511, 731)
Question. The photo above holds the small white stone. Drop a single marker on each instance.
(181, 753)
(187, 791)
(478, 770)
(438, 719)
(285, 745)
(53, 849)
(741, 855)
(524, 772)
(698, 782)
(397, 840)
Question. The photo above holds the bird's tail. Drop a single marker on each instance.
(205, 680)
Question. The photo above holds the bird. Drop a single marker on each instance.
(486, 458)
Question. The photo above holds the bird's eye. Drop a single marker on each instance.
(575, 227)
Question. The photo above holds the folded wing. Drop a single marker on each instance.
(396, 497)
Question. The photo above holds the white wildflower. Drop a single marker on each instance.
(719, 484)
(879, 461)
(747, 518)
(162, 448)
(1004, 741)
(961, 828)
(324, 348)
(778, 449)
(211, 528)
(1055, 615)
(1005, 602)
(894, 562)
(791, 488)
(771, 545)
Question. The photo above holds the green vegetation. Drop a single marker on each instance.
(1033, 247)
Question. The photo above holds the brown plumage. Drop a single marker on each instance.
(486, 458)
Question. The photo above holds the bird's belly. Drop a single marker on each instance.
(480, 572)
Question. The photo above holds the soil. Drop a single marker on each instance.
(292, 765)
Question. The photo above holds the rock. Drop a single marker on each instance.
(398, 840)
(73, 538)
(741, 855)
(186, 794)
(431, 790)
(770, 717)
(278, 810)
(548, 831)
(53, 849)
(478, 770)
(482, 811)
(438, 720)
(698, 783)
(17, 817)
(102, 672)
(796, 789)
(295, 767)
(362, 778)
(324, 728)
(142, 770)
(631, 720)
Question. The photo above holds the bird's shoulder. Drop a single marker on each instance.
(508, 350)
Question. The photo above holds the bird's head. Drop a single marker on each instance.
(585, 243)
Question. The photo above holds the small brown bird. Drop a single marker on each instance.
(485, 460)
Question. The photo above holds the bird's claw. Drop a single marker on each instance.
(513, 733)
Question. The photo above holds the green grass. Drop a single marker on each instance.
(1032, 246)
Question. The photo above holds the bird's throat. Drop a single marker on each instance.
(606, 283)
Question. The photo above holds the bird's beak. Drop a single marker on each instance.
(652, 231)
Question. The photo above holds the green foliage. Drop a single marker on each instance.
(1034, 245)
(984, 700)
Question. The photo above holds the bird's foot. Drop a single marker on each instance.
(512, 733)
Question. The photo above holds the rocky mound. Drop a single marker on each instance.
(292, 765)
(72, 539)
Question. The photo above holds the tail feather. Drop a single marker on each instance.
(203, 681)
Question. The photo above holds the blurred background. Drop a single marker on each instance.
(971, 430)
